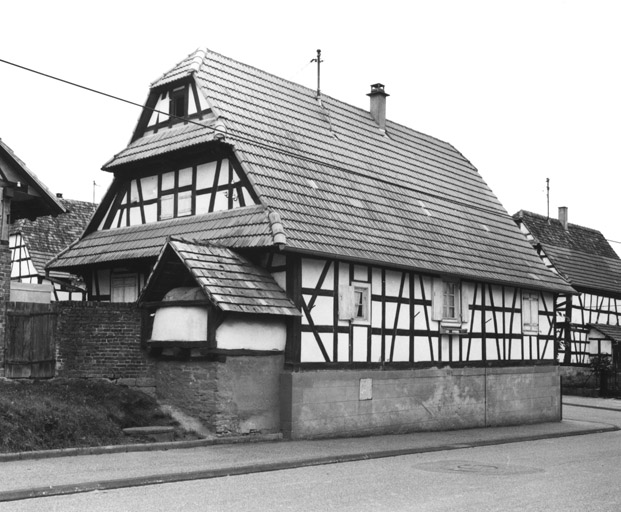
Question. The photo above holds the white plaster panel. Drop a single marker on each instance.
(205, 174)
(516, 349)
(187, 323)
(376, 313)
(376, 281)
(393, 283)
(376, 348)
(311, 272)
(359, 335)
(322, 312)
(391, 313)
(422, 351)
(343, 347)
(404, 317)
(361, 273)
(419, 317)
(238, 332)
(476, 350)
(401, 349)
(310, 351)
(490, 350)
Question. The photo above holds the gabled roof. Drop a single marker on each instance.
(31, 197)
(47, 236)
(343, 187)
(252, 226)
(582, 255)
(229, 281)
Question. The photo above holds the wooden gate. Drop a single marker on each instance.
(30, 344)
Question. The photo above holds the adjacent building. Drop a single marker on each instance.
(35, 242)
(588, 323)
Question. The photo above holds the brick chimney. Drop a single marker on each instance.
(562, 217)
(378, 104)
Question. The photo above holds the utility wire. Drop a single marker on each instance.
(259, 143)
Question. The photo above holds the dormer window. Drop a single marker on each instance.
(178, 102)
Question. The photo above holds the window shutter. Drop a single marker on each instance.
(437, 293)
(530, 313)
(466, 299)
(346, 302)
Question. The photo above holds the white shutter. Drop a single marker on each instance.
(437, 297)
(466, 299)
(346, 302)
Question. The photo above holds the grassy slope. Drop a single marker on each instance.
(71, 413)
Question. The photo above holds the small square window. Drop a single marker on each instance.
(178, 103)
(355, 303)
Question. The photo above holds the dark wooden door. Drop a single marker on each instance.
(30, 340)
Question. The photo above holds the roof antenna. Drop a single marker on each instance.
(318, 61)
(548, 195)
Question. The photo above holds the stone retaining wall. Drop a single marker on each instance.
(364, 402)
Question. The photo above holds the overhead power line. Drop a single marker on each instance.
(258, 143)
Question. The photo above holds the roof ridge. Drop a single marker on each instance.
(539, 215)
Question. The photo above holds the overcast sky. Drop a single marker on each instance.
(526, 90)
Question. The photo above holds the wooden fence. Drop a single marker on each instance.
(30, 340)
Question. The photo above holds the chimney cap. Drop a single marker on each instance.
(377, 89)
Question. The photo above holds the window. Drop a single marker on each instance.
(178, 103)
(361, 304)
(450, 301)
(355, 303)
(530, 313)
(447, 303)
(124, 288)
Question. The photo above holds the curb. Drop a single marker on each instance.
(104, 485)
(138, 447)
(616, 409)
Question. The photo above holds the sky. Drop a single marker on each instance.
(525, 90)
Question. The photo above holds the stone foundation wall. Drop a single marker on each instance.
(239, 395)
(356, 403)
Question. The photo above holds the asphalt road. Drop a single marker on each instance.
(579, 473)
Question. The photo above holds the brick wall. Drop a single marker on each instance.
(5, 291)
(100, 340)
(365, 402)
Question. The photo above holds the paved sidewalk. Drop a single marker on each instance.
(173, 462)
(611, 404)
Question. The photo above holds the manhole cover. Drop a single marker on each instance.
(464, 466)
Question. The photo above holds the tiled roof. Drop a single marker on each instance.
(46, 236)
(346, 189)
(611, 331)
(33, 200)
(229, 281)
(582, 255)
(242, 227)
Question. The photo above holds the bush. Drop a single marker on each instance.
(71, 413)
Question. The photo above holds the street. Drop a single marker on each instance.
(575, 473)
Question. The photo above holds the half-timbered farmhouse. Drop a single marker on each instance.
(588, 323)
(35, 242)
(349, 274)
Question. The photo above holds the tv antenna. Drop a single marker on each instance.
(318, 61)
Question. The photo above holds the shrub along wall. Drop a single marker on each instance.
(101, 340)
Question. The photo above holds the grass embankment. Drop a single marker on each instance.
(71, 413)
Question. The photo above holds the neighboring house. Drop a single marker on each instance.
(588, 323)
(328, 246)
(22, 196)
(34, 242)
